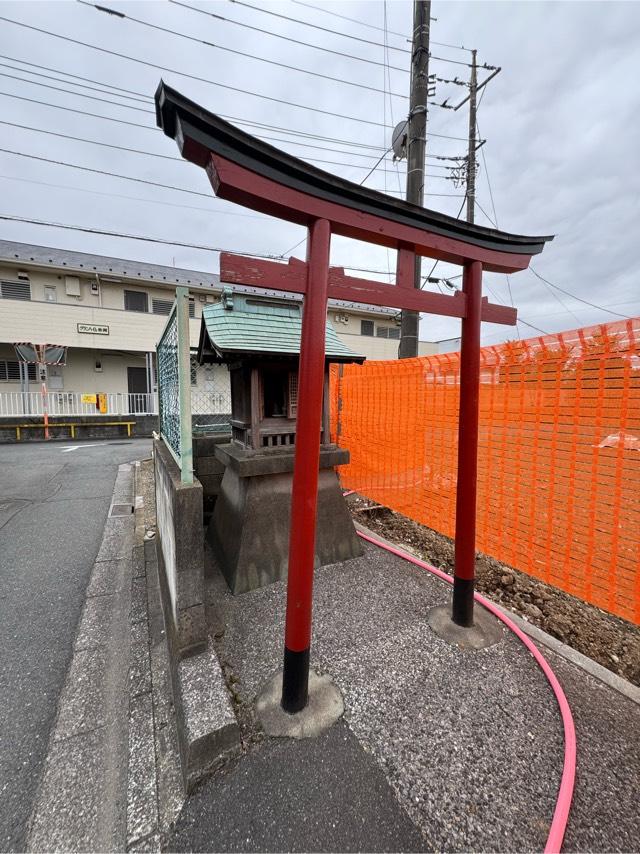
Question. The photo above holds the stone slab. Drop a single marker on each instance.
(74, 790)
(210, 732)
(82, 704)
(108, 576)
(95, 624)
(142, 804)
(249, 463)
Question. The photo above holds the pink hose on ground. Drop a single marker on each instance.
(565, 792)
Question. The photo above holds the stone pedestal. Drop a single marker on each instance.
(249, 529)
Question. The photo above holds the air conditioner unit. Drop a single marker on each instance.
(23, 275)
(202, 297)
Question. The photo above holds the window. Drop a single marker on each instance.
(50, 294)
(293, 395)
(15, 290)
(135, 301)
(394, 332)
(10, 371)
(192, 307)
(161, 306)
(366, 327)
(193, 364)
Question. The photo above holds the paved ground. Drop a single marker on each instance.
(53, 506)
(470, 743)
(321, 793)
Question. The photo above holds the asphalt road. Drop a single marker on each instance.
(54, 500)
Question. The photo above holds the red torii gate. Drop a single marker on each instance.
(252, 173)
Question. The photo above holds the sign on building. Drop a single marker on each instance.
(93, 329)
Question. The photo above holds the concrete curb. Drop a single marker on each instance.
(610, 679)
(81, 797)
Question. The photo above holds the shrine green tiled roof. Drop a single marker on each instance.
(241, 325)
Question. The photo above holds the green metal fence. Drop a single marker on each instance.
(174, 385)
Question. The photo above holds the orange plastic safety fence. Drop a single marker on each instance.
(559, 453)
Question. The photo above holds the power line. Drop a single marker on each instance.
(81, 112)
(104, 172)
(569, 294)
(145, 239)
(177, 159)
(187, 75)
(180, 159)
(87, 230)
(493, 205)
(142, 95)
(144, 180)
(235, 119)
(362, 24)
(346, 18)
(494, 224)
(279, 35)
(233, 51)
(155, 129)
(531, 326)
(375, 166)
(132, 198)
(58, 79)
(77, 94)
(230, 88)
(323, 29)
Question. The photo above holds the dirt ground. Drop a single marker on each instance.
(607, 639)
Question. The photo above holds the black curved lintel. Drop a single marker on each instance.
(184, 120)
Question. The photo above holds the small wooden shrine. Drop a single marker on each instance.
(259, 340)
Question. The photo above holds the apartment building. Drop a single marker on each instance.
(109, 314)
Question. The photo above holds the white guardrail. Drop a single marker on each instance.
(69, 403)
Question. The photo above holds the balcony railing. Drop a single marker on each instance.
(69, 404)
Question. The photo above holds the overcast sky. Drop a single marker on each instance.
(562, 123)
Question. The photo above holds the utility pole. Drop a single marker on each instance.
(471, 159)
(416, 149)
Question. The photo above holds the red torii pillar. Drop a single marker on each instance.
(249, 172)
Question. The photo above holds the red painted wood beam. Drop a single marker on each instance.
(467, 483)
(292, 278)
(304, 490)
(244, 187)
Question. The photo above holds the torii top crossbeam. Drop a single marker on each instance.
(252, 173)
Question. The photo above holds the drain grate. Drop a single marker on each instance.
(121, 510)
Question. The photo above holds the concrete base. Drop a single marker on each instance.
(324, 708)
(485, 631)
(249, 529)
